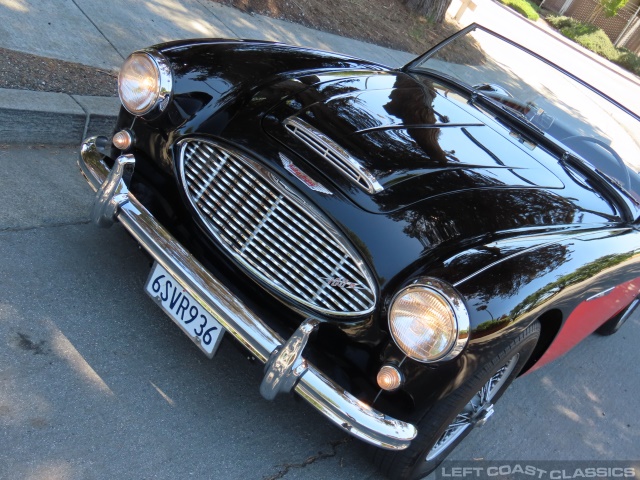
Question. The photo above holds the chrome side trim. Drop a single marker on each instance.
(629, 311)
(334, 153)
(600, 294)
(527, 250)
(339, 406)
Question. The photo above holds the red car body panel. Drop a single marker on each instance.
(588, 317)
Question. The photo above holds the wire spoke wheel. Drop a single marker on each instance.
(451, 419)
(476, 412)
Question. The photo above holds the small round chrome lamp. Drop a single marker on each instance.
(389, 378)
(122, 140)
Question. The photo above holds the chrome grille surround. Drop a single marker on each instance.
(331, 151)
(272, 232)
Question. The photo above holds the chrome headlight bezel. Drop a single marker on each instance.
(453, 300)
(160, 94)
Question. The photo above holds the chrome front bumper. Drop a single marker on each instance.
(284, 360)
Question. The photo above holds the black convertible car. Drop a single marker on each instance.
(395, 245)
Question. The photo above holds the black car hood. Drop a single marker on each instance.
(416, 139)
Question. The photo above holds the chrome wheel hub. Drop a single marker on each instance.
(483, 415)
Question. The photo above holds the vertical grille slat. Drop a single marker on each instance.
(324, 274)
(285, 270)
(272, 233)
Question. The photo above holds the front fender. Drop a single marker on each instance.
(504, 296)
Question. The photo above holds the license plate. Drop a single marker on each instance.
(193, 318)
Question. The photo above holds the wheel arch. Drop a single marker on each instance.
(550, 323)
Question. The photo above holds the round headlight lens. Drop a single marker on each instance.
(140, 83)
(425, 323)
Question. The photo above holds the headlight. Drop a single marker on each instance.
(429, 321)
(145, 83)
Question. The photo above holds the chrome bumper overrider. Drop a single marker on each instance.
(286, 367)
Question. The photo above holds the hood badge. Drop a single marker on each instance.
(341, 283)
(303, 177)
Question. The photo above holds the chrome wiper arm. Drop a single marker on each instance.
(521, 116)
(620, 187)
(611, 190)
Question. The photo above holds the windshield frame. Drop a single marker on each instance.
(412, 65)
(628, 206)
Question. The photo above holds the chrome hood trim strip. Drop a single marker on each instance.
(334, 153)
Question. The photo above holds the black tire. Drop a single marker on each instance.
(614, 324)
(431, 446)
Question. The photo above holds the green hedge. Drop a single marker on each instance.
(629, 61)
(559, 22)
(524, 7)
(594, 39)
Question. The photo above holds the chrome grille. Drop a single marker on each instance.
(331, 151)
(272, 232)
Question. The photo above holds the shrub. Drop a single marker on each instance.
(629, 61)
(594, 39)
(559, 22)
(524, 7)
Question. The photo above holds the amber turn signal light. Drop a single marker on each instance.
(122, 140)
(389, 378)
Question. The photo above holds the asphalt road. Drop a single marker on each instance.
(97, 383)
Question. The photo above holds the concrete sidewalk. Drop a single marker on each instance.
(101, 34)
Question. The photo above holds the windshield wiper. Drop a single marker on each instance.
(611, 190)
(512, 112)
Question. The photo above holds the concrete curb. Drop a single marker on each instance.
(45, 118)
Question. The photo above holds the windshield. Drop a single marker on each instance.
(584, 121)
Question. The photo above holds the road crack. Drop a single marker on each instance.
(25, 343)
(286, 467)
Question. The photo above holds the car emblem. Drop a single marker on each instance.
(303, 177)
(341, 283)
